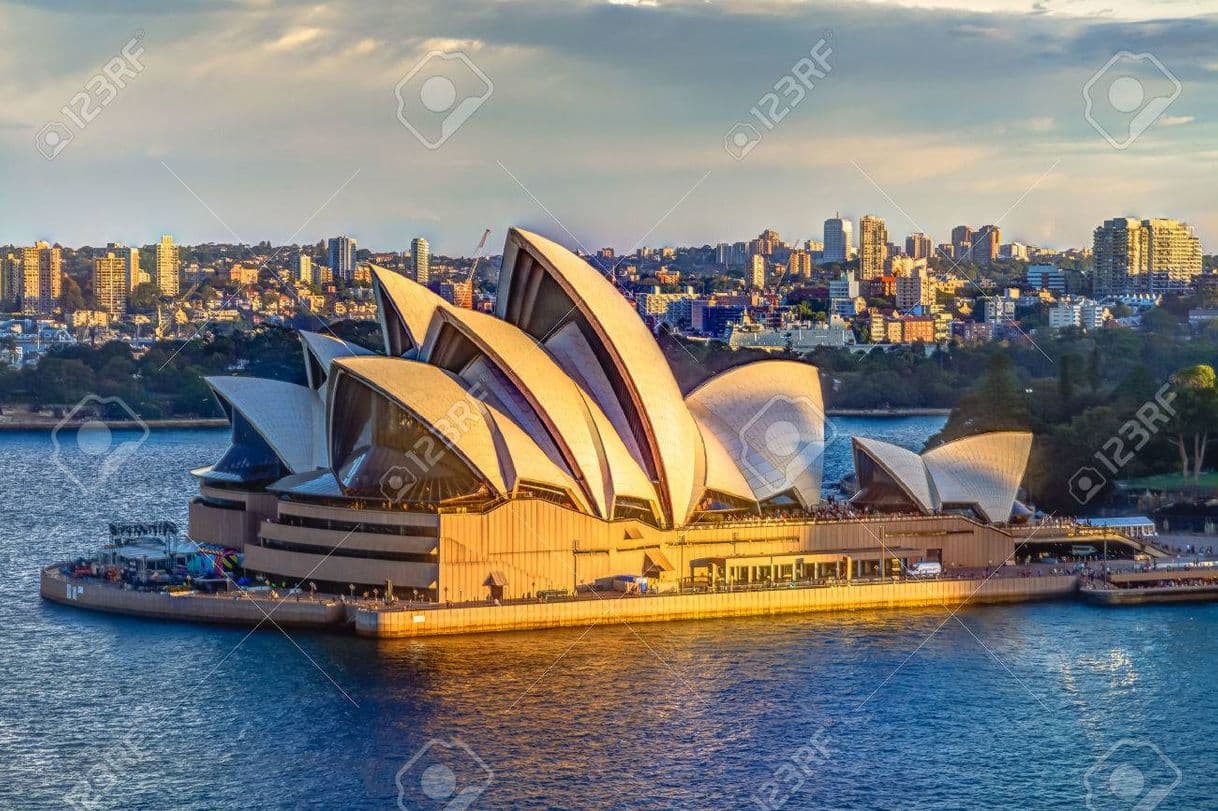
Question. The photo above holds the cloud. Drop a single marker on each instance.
(1175, 120)
(981, 31)
(294, 39)
(609, 113)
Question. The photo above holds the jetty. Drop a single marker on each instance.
(378, 618)
(1177, 582)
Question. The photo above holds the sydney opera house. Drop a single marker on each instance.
(549, 445)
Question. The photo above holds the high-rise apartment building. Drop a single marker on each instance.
(873, 247)
(420, 260)
(166, 275)
(962, 243)
(723, 254)
(915, 289)
(131, 263)
(918, 246)
(986, 243)
(41, 278)
(766, 243)
(27, 279)
(799, 266)
(342, 258)
(111, 283)
(839, 240)
(302, 268)
(1138, 255)
(458, 294)
(10, 279)
(757, 271)
(733, 254)
(1174, 249)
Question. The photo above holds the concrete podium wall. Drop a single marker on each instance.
(389, 623)
(232, 609)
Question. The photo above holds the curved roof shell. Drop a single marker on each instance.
(290, 418)
(769, 418)
(983, 470)
(320, 350)
(542, 287)
(902, 465)
(578, 429)
(404, 309)
(486, 439)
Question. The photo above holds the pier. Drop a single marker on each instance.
(376, 619)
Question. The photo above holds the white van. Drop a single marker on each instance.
(926, 568)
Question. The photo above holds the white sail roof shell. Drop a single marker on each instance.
(405, 301)
(983, 470)
(905, 468)
(584, 434)
(484, 437)
(769, 418)
(722, 468)
(325, 348)
(290, 418)
(673, 436)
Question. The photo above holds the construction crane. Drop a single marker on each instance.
(478, 255)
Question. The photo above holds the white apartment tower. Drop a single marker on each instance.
(420, 260)
(839, 239)
(166, 277)
(873, 247)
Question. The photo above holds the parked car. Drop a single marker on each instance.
(926, 568)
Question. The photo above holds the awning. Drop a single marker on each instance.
(495, 579)
(655, 559)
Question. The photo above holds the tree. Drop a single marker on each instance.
(1094, 368)
(71, 299)
(996, 403)
(1065, 379)
(1159, 320)
(144, 298)
(1196, 406)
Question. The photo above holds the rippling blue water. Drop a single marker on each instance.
(999, 707)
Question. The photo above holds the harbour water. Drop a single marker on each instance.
(994, 707)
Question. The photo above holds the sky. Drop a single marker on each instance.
(601, 123)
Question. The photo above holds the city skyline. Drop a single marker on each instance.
(894, 236)
(1022, 146)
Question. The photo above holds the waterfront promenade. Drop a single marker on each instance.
(371, 618)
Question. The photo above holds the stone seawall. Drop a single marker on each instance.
(230, 609)
(397, 622)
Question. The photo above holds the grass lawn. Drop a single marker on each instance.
(1164, 481)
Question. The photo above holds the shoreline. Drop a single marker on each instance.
(371, 620)
(888, 412)
(50, 424)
